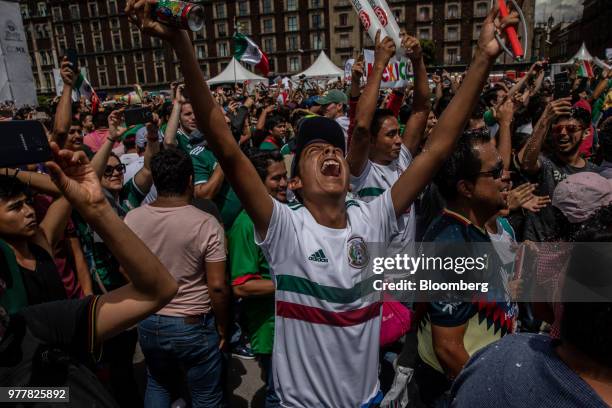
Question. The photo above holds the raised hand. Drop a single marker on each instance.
(67, 73)
(153, 128)
(76, 179)
(384, 50)
(505, 112)
(412, 45)
(357, 72)
(519, 196)
(560, 107)
(139, 13)
(536, 203)
(114, 124)
(487, 43)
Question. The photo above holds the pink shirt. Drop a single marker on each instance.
(96, 139)
(184, 239)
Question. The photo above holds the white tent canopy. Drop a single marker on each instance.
(234, 72)
(322, 68)
(582, 55)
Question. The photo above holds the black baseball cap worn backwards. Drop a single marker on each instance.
(317, 130)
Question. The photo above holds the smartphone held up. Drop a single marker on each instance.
(23, 142)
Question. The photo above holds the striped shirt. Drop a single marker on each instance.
(327, 325)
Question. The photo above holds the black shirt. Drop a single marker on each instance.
(52, 345)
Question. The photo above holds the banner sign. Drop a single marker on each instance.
(15, 68)
(348, 69)
(397, 74)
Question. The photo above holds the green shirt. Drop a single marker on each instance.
(226, 200)
(184, 143)
(102, 264)
(247, 262)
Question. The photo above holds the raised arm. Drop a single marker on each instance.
(63, 115)
(452, 122)
(528, 156)
(98, 162)
(144, 178)
(505, 116)
(237, 168)
(360, 142)
(421, 106)
(37, 181)
(173, 121)
(151, 286)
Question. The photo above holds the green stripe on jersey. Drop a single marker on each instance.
(370, 192)
(332, 294)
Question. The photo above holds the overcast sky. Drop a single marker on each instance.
(568, 10)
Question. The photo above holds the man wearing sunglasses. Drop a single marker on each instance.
(568, 126)
(474, 186)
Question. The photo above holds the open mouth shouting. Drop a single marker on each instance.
(331, 167)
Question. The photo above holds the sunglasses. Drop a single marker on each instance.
(496, 173)
(109, 170)
(557, 130)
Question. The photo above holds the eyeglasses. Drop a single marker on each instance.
(496, 173)
(109, 170)
(569, 128)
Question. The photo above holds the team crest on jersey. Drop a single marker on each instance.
(358, 256)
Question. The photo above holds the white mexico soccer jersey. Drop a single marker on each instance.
(378, 178)
(327, 325)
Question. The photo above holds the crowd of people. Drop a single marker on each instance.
(252, 209)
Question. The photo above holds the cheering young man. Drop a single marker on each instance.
(326, 334)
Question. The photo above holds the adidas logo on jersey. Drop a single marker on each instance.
(318, 256)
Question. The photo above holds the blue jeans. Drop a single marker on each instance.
(272, 400)
(172, 347)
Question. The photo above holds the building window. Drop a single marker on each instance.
(272, 62)
(42, 9)
(452, 55)
(452, 11)
(268, 44)
(96, 36)
(221, 29)
(79, 41)
(102, 77)
(136, 38)
(267, 6)
(141, 76)
(243, 8)
(452, 33)
(120, 70)
(343, 19)
(56, 12)
(316, 3)
(116, 38)
(399, 17)
(62, 45)
(318, 41)
(25, 10)
(59, 30)
(292, 42)
(481, 9)
(292, 5)
(292, 23)
(201, 35)
(268, 25)
(77, 28)
(201, 51)
(93, 9)
(244, 27)
(294, 64)
(204, 69)
(477, 28)
(222, 49)
(75, 13)
(424, 33)
(344, 41)
(220, 10)
(114, 23)
(160, 67)
(155, 42)
(223, 65)
(112, 7)
(316, 21)
(424, 13)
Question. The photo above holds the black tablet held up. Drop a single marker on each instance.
(23, 142)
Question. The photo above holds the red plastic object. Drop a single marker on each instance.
(517, 48)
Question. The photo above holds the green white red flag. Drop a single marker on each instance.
(246, 50)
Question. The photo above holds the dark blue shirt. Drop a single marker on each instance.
(521, 370)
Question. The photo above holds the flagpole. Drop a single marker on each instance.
(234, 61)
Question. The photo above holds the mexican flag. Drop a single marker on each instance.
(585, 70)
(246, 50)
(82, 88)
